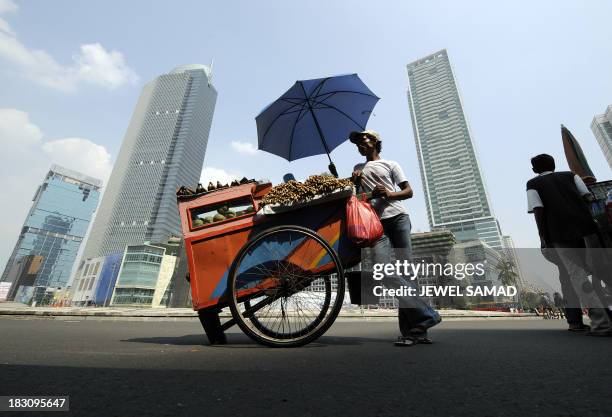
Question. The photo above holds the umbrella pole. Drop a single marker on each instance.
(331, 166)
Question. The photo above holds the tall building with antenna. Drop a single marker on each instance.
(453, 182)
(163, 148)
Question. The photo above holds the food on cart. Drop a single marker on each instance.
(297, 192)
(219, 212)
(325, 184)
(182, 191)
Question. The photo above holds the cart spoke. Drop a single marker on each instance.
(284, 300)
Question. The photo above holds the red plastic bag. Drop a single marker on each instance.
(362, 223)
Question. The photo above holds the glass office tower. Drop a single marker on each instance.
(452, 180)
(56, 224)
(163, 148)
(602, 129)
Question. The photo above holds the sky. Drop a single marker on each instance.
(71, 73)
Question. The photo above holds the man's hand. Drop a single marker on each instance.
(380, 192)
(356, 177)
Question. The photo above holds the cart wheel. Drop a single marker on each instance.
(286, 287)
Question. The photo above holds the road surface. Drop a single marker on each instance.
(161, 368)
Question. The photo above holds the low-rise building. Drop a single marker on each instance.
(145, 274)
(22, 277)
(476, 252)
(83, 285)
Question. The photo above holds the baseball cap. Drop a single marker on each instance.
(353, 136)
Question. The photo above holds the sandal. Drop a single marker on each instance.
(406, 341)
(423, 340)
(582, 328)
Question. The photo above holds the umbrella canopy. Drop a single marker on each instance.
(313, 117)
(575, 157)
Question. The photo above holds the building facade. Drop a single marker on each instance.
(477, 252)
(602, 129)
(107, 279)
(511, 254)
(84, 284)
(95, 280)
(453, 183)
(434, 248)
(62, 208)
(163, 148)
(23, 273)
(145, 275)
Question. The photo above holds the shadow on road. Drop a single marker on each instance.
(237, 341)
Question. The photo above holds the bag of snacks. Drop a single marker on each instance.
(362, 223)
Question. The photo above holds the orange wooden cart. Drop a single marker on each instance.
(281, 275)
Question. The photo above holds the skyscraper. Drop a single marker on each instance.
(452, 179)
(602, 129)
(56, 224)
(163, 148)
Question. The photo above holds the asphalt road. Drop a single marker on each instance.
(147, 368)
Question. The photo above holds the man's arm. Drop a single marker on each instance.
(583, 190)
(535, 206)
(357, 172)
(398, 178)
(404, 193)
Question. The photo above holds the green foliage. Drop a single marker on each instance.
(507, 272)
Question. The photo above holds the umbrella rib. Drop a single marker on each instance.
(330, 95)
(343, 113)
(318, 88)
(288, 100)
(272, 124)
(300, 116)
(293, 105)
(349, 92)
(293, 111)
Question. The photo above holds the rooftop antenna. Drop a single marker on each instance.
(210, 72)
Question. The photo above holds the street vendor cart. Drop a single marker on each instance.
(281, 273)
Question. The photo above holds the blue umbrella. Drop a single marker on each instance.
(313, 117)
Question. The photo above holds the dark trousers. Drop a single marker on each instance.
(413, 312)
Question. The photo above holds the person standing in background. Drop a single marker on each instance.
(558, 201)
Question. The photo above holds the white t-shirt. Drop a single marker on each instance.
(387, 173)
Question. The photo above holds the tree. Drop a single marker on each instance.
(506, 273)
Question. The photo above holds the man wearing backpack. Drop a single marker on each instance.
(558, 201)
